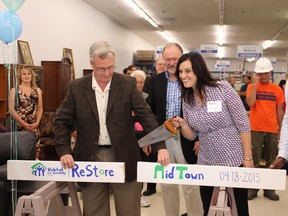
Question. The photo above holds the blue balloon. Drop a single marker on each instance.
(10, 26)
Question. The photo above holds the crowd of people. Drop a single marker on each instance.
(214, 126)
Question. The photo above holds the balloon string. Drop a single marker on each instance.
(3, 55)
(15, 84)
(13, 25)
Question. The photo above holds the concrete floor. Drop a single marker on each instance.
(260, 206)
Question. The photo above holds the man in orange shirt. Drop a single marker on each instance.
(265, 100)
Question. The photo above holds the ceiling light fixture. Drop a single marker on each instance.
(280, 32)
(220, 52)
(167, 37)
(221, 35)
(268, 43)
(221, 12)
(142, 13)
(251, 59)
(221, 23)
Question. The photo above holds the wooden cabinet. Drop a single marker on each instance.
(3, 91)
(87, 71)
(4, 84)
(57, 74)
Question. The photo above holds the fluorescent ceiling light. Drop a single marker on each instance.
(221, 22)
(284, 29)
(167, 37)
(142, 13)
(221, 12)
(251, 59)
(267, 44)
(220, 52)
(220, 35)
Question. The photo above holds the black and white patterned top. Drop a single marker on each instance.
(26, 108)
(219, 130)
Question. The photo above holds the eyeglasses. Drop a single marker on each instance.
(102, 69)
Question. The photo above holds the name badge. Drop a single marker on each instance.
(214, 106)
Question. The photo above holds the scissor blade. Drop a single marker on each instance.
(159, 134)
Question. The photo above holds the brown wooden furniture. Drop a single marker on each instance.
(57, 74)
(3, 91)
(87, 71)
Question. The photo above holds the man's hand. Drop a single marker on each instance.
(163, 157)
(147, 149)
(256, 79)
(67, 161)
(278, 163)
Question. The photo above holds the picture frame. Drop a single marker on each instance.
(25, 52)
(68, 53)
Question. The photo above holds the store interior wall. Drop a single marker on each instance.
(49, 26)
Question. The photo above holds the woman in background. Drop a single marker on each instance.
(140, 77)
(25, 104)
(213, 110)
(231, 80)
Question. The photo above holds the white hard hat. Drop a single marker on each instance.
(263, 65)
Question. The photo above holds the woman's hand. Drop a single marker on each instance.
(34, 126)
(248, 163)
(27, 127)
(196, 147)
(178, 122)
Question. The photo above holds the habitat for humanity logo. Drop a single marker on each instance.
(38, 169)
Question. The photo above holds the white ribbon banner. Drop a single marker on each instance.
(218, 176)
(53, 171)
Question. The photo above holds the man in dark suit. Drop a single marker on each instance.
(100, 105)
(165, 101)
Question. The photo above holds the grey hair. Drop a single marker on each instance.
(101, 49)
(171, 45)
(160, 57)
(137, 73)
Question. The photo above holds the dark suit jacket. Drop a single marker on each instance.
(79, 107)
(157, 90)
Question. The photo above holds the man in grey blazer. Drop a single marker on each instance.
(100, 106)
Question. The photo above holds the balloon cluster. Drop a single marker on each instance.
(10, 22)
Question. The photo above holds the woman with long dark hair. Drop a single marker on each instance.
(213, 111)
